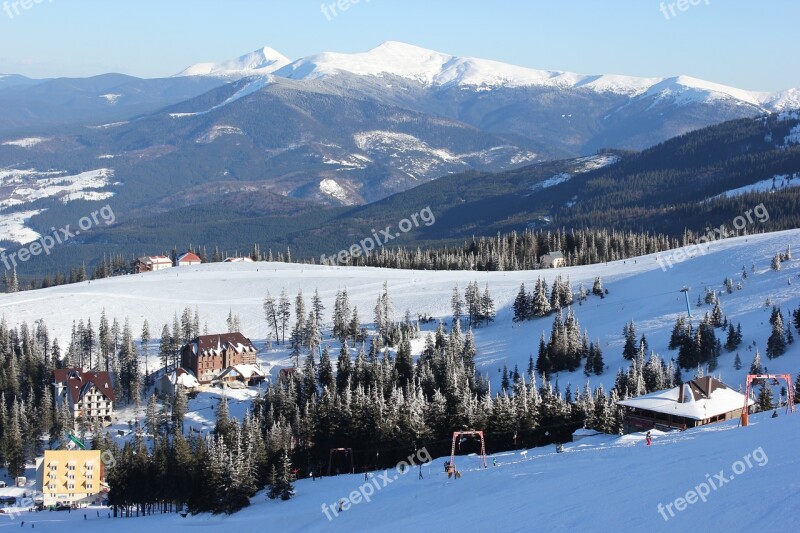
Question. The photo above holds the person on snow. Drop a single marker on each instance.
(649, 439)
(494, 461)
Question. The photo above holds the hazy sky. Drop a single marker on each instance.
(745, 43)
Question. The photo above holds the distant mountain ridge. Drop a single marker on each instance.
(262, 136)
(436, 69)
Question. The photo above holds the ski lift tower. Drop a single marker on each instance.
(461, 434)
(685, 292)
(774, 379)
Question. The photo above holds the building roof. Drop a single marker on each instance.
(183, 377)
(157, 259)
(245, 371)
(238, 260)
(79, 382)
(216, 344)
(554, 255)
(698, 399)
(189, 257)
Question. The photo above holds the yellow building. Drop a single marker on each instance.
(70, 476)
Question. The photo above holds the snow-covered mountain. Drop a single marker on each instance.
(263, 61)
(439, 70)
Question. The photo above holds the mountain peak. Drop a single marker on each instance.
(262, 61)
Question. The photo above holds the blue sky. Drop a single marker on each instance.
(743, 43)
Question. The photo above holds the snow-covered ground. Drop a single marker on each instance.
(601, 483)
(28, 142)
(717, 478)
(13, 228)
(26, 186)
(580, 166)
(639, 290)
(21, 187)
(775, 183)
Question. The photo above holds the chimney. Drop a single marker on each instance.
(680, 393)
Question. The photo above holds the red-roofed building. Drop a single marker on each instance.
(89, 395)
(188, 259)
(208, 355)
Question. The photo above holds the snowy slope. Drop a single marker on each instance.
(437, 70)
(602, 483)
(776, 183)
(263, 61)
(581, 165)
(639, 290)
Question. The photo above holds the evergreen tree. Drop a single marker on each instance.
(541, 304)
(344, 370)
(597, 287)
(543, 364)
(776, 344)
(457, 305)
(733, 339)
(678, 334)
(765, 400)
(326, 371)
(145, 343)
(151, 415)
(284, 314)
(286, 488)
(271, 315)
(12, 284)
(630, 350)
(179, 405)
(223, 425)
(487, 312)
(755, 366)
(737, 362)
(521, 306)
(404, 363)
(14, 445)
(776, 263)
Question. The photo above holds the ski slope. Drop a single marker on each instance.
(602, 483)
(639, 290)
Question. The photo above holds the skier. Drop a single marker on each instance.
(649, 439)
(494, 461)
